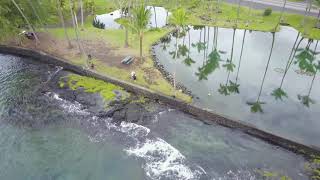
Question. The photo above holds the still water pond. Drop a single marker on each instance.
(48, 132)
(240, 75)
(159, 17)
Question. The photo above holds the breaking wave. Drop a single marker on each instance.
(75, 108)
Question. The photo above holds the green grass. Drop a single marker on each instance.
(91, 85)
(115, 39)
(205, 14)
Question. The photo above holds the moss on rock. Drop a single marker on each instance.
(108, 91)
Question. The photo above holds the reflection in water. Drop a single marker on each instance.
(232, 87)
(158, 19)
(279, 93)
(213, 62)
(257, 106)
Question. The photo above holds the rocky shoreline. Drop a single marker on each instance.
(167, 76)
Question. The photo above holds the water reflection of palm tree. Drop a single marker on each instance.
(257, 106)
(225, 89)
(305, 99)
(165, 42)
(199, 45)
(179, 19)
(188, 61)
(212, 61)
(305, 59)
(279, 93)
(234, 86)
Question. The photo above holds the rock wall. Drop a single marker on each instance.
(207, 116)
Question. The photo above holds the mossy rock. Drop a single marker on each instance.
(109, 92)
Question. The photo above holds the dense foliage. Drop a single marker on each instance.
(37, 12)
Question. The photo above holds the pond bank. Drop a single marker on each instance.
(203, 114)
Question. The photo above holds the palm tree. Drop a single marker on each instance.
(306, 100)
(317, 2)
(279, 92)
(240, 59)
(36, 14)
(59, 7)
(155, 16)
(27, 21)
(74, 23)
(141, 17)
(188, 61)
(257, 106)
(225, 89)
(199, 45)
(306, 57)
(282, 11)
(238, 12)
(250, 10)
(81, 11)
(308, 9)
(179, 19)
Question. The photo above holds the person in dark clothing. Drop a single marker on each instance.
(90, 61)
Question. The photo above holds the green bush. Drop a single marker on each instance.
(267, 12)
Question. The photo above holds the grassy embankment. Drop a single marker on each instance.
(205, 14)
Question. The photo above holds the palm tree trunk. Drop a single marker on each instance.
(291, 57)
(204, 42)
(82, 19)
(63, 23)
(318, 19)
(308, 8)
(267, 67)
(155, 16)
(175, 67)
(167, 17)
(250, 10)
(238, 12)
(36, 14)
(141, 39)
(282, 11)
(242, 47)
(27, 21)
(75, 27)
(232, 49)
(231, 56)
(312, 82)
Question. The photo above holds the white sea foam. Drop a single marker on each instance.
(134, 130)
(68, 106)
(163, 160)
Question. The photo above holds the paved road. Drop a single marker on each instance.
(291, 7)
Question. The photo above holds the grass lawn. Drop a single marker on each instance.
(115, 38)
(205, 13)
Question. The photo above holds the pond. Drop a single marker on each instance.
(53, 132)
(159, 17)
(269, 81)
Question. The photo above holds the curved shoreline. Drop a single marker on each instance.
(204, 115)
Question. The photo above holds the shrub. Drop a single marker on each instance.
(267, 12)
